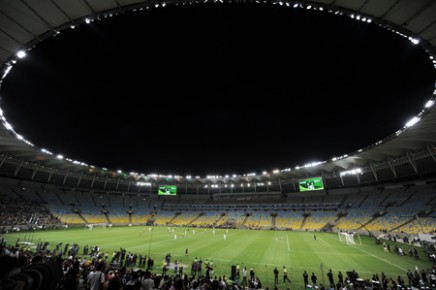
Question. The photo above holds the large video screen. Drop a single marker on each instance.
(309, 184)
(167, 190)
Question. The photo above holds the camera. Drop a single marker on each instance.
(39, 276)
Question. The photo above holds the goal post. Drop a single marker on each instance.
(98, 225)
(349, 238)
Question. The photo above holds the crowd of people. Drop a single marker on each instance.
(29, 214)
(89, 267)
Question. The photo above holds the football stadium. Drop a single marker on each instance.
(361, 220)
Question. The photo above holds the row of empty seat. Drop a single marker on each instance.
(401, 208)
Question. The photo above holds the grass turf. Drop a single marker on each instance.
(261, 250)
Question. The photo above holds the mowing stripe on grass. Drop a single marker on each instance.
(287, 239)
(387, 262)
(369, 254)
(262, 250)
(291, 267)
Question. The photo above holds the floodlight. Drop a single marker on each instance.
(21, 54)
(412, 122)
(429, 104)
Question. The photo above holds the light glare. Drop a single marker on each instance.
(412, 122)
(21, 54)
(429, 104)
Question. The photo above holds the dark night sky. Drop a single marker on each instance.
(216, 88)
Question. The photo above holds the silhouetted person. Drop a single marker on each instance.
(306, 279)
(330, 276)
(340, 278)
(313, 278)
(276, 276)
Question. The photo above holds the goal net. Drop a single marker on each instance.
(98, 225)
(347, 237)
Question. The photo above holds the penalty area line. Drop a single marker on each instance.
(372, 255)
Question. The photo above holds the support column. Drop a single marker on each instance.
(80, 179)
(18, 167)
(118, 183)
(412, 162)
(50, 175)
(394, 172)
(65, 177)
(35, 170)
(373, 171)
(4, 159)
(93, 180)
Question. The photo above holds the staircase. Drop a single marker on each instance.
(303, 222)
(82, 217)
(328, 227)
(59, 198)
(403, 224)
(409, 197)
(343, 200)
(245, 219)
(106, 215)
(196, 218)
(174, 217)
(384, 199)
(219, 218)
(363, 200)
(273, 220)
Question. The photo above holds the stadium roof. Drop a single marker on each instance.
(24, 23)
(410, 151)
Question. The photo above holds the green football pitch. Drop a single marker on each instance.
(262, 250)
